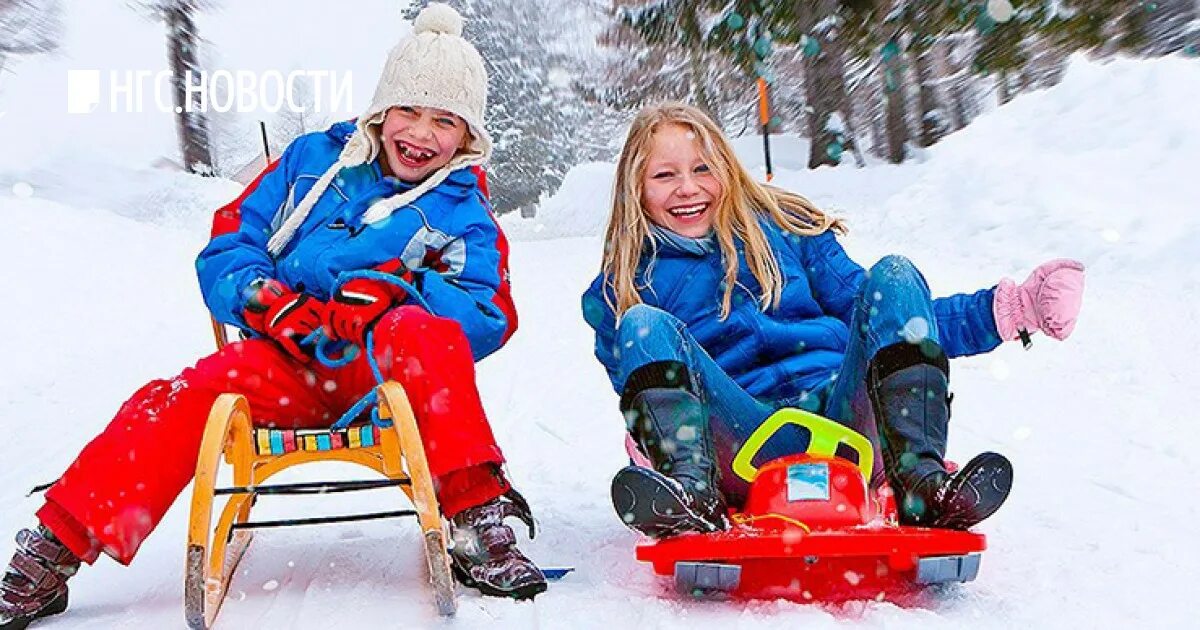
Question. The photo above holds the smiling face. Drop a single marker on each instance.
(417, 141)
(679, 190)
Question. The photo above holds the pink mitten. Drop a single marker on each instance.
(1048, 301)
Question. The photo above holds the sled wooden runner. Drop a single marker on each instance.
(396, 452)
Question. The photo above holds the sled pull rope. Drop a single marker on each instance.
(746, 519)
(325, 348)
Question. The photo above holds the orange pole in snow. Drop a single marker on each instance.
(764, 118)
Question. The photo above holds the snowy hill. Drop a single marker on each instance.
(1101, 168)
(100, 296)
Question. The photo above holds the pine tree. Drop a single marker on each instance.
(28, 27)
(1170, 26)
(535, 118)
(288, 124)
(927, 21)
(659, 50)
(828, 105)
(729, 44)
(183, 44)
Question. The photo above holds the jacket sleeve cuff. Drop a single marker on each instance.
(1006, 308)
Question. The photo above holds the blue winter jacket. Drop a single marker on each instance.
(786, 350)
(447, 237)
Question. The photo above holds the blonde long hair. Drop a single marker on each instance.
(742, 201)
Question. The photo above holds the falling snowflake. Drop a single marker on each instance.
(915, 330)
(686, 434)
(22, 190)
(1000, 10)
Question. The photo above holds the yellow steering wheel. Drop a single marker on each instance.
(826, 436)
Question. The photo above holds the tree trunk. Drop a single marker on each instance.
(933, 125)
(852, 135)
(1167, 26)
(878, 132)
(825, 84)
(955, 93)
(190, 121)
(700, 96)
(893, 97)
(1003, 93)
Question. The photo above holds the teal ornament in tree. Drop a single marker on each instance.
(811, 47)
(984, 23)
(835, 150)
(890, 50)
(735, 21)
(763, 72)
(964, 14)
(762, 47)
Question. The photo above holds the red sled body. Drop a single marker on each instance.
(811, 530)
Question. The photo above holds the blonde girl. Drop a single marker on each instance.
(721, 300)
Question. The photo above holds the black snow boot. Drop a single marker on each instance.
(35, 583)
(908, 387)
(485, 554)
(670, 424)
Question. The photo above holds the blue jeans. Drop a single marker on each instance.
(893, 306)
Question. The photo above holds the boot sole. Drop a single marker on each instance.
(528, 591)
(988, 476)
(56, 606)
(651, 507)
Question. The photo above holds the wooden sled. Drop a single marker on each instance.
(396, 452)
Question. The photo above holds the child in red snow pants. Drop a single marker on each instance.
(123, 482)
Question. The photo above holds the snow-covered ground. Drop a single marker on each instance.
(99, 296)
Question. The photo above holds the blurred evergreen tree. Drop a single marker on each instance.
(540, 125)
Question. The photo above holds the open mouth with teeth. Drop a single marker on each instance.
(413, 156)
(689, 212)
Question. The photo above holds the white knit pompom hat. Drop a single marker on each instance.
(436, 68)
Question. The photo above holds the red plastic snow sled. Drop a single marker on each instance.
(812, 531)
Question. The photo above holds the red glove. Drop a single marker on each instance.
(283, 315)
(359, 303)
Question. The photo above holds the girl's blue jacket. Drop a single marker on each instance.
(783, 351)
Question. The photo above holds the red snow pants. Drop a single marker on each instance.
(122, 483)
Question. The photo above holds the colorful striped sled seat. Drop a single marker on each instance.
(280, 441)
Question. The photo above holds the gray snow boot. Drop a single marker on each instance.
(35, 583)
(485, 554)
(670, 423)
(908, 387)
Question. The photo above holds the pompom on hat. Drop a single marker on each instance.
(435, 68)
